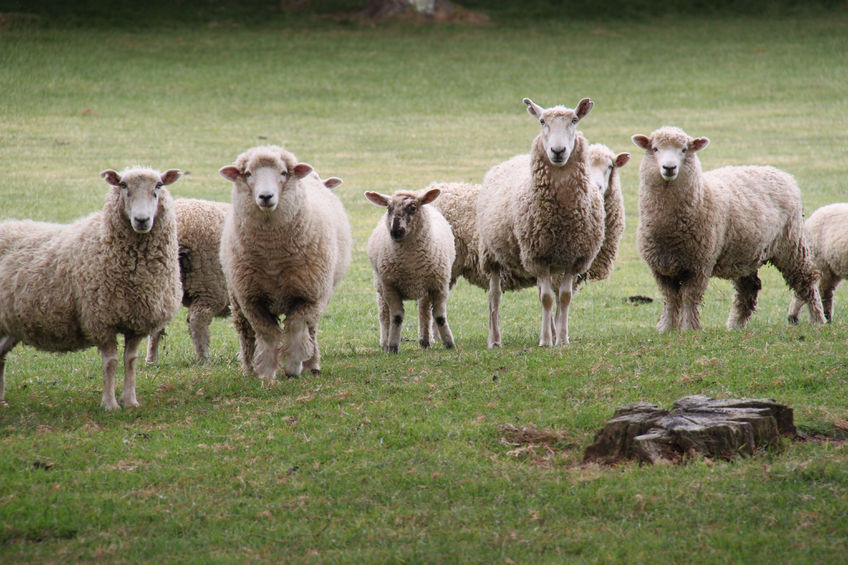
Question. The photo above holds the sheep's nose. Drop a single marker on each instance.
(266, 198)
(141, 223)
(669, 170)
(558, 154)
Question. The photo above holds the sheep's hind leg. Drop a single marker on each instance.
(131, 343)
(494, 310)
(109, 355)
(827, 285)
(440, 315)
(247, 338)
(565, 293)
(793, 262)
(546, 297)
(153, 346)
(744, 301)
(7, 343)
(199, 320)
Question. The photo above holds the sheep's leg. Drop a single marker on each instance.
(793, 262)
(383, 314)
(268, 335)
(691, 293)
(744, 301)
(131, 344)
(313, 364)
(297, 339)
(546, 297)
(425, 320)
(440, 316)
(199, 319)
(395, 305)
(247, 338)
(494, 310)
(109, 355)
(7, 342)
(794, 310)
(153, 346)
(565, 294)
(827, 285)
(670, 316)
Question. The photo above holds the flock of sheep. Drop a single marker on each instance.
(552, 218)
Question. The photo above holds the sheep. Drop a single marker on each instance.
(199, 226)
(285, 246)
(827, 230)
(412, 253)
(724, 223)
(603, 166)
(69, 287)
(540, 216)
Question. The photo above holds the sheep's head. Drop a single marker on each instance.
(602, 163)
(139, 189)
(670, 148)
(402, 209)
(269, 175)
(559, 128)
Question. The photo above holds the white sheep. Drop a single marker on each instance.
(603, 165)
(412, 252)
(541, 217)
(827, 235)
(724, 223)
(285, 246)
(69, 287)
(199, 227)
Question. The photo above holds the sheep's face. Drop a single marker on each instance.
(402, 209)
(140, 189)
(602, 164)
(269, 182)
(559, 128)
(670, 148)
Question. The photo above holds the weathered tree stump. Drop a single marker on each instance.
(721, 429)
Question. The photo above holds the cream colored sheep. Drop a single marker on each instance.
(285, 246)
(724, 223)
(827, 234)
(542, 217)
(412, 252)
(69, 287)
(603, 171)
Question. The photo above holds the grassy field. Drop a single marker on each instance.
(400, 458)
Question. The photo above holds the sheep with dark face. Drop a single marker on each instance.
(69, 287)
(724, 223)
(411, 251)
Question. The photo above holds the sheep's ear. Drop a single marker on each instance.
(332, 182)
(700, 143)
(621, 159)
(170, 176)
(584, 107)
(301, 170)
(430, 195)
(642, 141)
(534, 109)
(230, 172)
(377, 198)
(111, 176)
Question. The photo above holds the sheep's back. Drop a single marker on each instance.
(199, 227)
(828, 237)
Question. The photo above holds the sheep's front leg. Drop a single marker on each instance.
(395, 306)
(670, 316)
(440, 315)
(268, 335)
(7, 343)
(425, 320)
(297, 339)
(313, 364)
(383, 315)
(494, 310)
(564, 301)
(546, 297)
(109, 355)
(131, 344)
(691, 293)
(153, 346)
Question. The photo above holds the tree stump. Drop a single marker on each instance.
(721, 429)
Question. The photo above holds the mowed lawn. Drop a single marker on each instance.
(400, 458)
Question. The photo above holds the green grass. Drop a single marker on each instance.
(399, 458)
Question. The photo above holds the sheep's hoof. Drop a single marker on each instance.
(315, 372)
(391, 348)
(425, 344)
(793, 320)
(449, 345)
(110, 407)
(292, 375)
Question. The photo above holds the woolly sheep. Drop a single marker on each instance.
(724, 223)
(603, 165)
(68, 287)
(412, 252)
(285, 246)
(199, 226)
(542, 217)
(827, 232)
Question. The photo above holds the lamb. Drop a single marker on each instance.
(827, 230)
(412, 253)
(285, 246)
(69, 287)
(541, 217)
(724, 223)
(199, 226)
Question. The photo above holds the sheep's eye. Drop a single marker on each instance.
(575, 120)
(684, 150)
(159, 185)
(656, 150)
(247, 174)
(123, 185)
(283, 174)
(542, 121)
